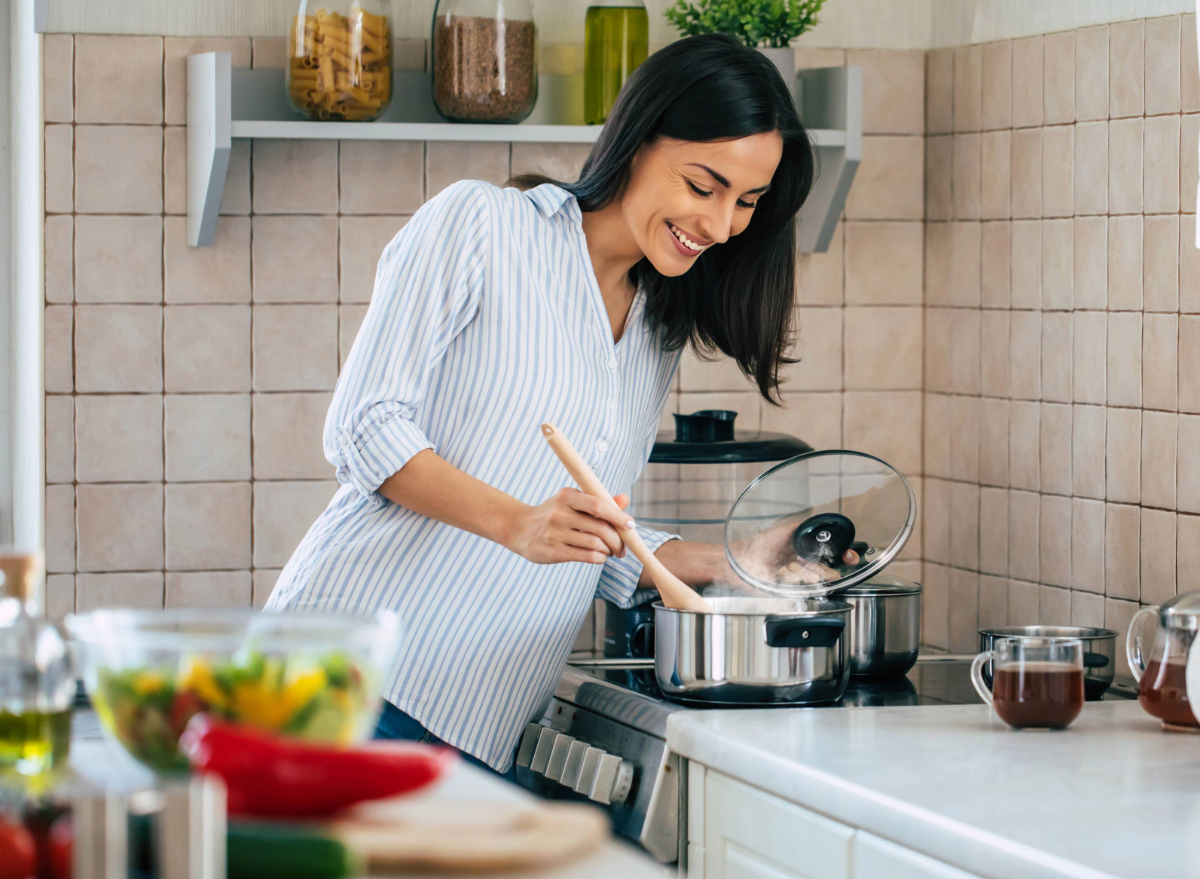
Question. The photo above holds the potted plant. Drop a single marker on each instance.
(766, 25)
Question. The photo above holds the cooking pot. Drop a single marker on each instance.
(1099, 652)
(753, 651)
(885, 626)
(789, 534)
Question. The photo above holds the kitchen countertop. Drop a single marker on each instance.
(1112, 796)
(94, 759)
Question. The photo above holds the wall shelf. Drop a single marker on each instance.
(224, 103)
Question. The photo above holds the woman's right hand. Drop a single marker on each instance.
(570, 527)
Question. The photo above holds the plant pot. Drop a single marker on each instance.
(785, 61)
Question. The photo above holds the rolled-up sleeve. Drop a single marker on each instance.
(427, 290)
(619, 577)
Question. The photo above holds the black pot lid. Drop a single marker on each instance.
(710, 437)
(790, 530)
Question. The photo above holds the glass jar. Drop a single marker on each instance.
(484, 60)
(616, 37)
(36, 683)
(1162, 673)
(340, 60)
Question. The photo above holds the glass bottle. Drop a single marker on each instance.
(484, 60)
(615, 41)
(36, 684)
(340, 60)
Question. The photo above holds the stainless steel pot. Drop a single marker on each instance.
(1099, 651)
(885, 626)
(754, 651)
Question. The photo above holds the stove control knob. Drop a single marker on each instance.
(541, 752)
(528, 743)
(614, 777)
(587, 770)
(558, 757)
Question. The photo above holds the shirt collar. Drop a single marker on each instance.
(549, 198)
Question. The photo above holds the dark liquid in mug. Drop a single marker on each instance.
(1163, 693)
(1045, 695)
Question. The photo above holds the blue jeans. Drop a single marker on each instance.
(394, 724)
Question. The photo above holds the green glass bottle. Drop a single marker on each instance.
(615, 42)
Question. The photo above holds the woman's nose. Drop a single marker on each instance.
(718, 225)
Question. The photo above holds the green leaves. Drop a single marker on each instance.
(756, 23)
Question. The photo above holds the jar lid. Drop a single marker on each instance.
(1181, 612)
(710, 437)
(884, 584)
(819, 523)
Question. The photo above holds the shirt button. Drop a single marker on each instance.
(612, 363)
(612, 404)
(602, 447)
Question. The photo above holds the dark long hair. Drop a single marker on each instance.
(739, 296)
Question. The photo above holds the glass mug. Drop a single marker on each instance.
(1037, 683)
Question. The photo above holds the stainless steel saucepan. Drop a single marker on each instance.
(753, 651)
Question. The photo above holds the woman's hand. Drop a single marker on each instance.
(570, 527)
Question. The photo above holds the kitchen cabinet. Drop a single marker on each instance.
(736, 831)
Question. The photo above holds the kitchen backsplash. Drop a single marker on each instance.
(1005, 313)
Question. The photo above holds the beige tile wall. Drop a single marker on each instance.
(187, 387)
(1061, 352)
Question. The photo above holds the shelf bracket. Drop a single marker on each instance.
(209, 123)
(830, 98)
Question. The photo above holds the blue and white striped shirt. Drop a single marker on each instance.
(486, 321)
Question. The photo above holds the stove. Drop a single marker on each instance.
(602, 738)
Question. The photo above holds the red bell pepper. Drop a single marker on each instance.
(272, 776)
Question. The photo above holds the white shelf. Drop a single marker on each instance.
(224, 104)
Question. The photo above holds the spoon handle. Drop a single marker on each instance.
(673, 591)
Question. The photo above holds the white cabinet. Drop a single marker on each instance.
(736, 831)
(876, 858)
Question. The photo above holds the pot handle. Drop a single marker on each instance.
(804, 631)
(977, 675)
(1133, 644)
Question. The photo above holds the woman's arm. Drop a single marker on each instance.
(697, 564)
(569, 527)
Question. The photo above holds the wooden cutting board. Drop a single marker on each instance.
(448, 836)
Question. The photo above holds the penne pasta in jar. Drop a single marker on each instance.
(339, 64)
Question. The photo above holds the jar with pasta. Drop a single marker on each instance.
(484, 60)
(340, 60)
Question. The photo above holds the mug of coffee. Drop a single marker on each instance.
(1037, 683)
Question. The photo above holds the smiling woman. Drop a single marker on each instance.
(497, 310)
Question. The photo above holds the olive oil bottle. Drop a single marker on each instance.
(615, 41)
(36, 684)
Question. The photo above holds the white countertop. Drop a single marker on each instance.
(1112, 796)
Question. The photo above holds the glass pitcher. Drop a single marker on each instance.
(1161, 673)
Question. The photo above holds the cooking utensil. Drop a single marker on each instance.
(885, 625)
(753, 651)
(788, 532)
(1161, 672)
(1099, 651)
(673, 591)
(149, 671)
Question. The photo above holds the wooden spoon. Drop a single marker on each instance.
(673, 591)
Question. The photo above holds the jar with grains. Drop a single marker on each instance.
(484, 60)
(340, 60)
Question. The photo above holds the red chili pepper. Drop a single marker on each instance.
(272, 776)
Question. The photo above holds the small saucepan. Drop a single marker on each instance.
(1099, 651)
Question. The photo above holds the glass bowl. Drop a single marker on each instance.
(315, 676)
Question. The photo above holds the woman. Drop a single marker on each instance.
(498, 309)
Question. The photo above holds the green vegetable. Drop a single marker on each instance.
(766, 23)
(262, 850)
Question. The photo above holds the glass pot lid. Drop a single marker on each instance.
(819, 523)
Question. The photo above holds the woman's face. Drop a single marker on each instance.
(684, 197)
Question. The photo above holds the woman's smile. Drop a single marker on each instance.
(684, 243)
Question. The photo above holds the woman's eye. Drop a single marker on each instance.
(746, 204)
(696, 189)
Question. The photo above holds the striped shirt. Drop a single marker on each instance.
(486, 321)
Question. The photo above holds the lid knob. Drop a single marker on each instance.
(823, 538)
(705, 426)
